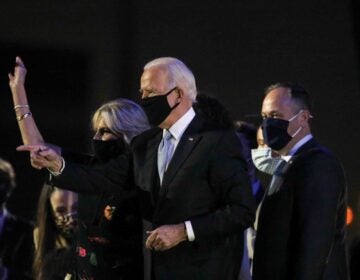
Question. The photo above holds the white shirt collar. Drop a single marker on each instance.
(297, 146)
(178, 128)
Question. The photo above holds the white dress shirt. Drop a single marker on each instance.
(177, 130)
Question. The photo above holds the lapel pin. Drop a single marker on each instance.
(191, 139)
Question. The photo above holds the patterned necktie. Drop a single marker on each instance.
(278, 177)
(164, 153)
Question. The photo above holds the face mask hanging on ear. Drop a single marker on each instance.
(275, 132)
(263, 160)
(157, 107)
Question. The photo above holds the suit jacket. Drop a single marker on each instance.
(205, 182)
(16, 247)
(301, 227)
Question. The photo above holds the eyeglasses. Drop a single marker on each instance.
(66, 217)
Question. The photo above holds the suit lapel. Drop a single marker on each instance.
(281, 170)
(150, 168)
(146, 160)
(187, 143)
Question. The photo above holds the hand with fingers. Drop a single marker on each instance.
(18, 78)
(43, 156)
(166, 237)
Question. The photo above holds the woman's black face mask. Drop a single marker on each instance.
(157, 107)
(107, 150)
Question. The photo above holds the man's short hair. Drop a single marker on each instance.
(298, 94)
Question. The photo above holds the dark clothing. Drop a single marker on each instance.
(355, 258)
(301, 228)
(115, 240)
(205, 182)
(16, 247)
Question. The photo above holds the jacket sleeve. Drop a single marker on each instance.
(320, 213)
(229, 180)
(111, 177)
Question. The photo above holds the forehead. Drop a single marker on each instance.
(278, 100)
(154, 77)
(102, 120)
(63, 198)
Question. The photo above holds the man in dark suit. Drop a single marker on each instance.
(301, 223)
(191, 177)
(15, 234)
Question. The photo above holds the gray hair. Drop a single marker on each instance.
(178, 74)
(123, 117)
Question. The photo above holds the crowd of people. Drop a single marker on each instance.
(176, 189)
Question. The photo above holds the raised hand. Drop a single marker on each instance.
(43, 156)
(18, 79)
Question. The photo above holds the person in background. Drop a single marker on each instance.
(263, 157)
(15, 233)
(109, 242)
(301, 231)
(56, 225)
(251, 141)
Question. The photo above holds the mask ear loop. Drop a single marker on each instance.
(293, 117)
(297, 132)
(299, 129)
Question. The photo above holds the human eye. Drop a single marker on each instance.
(59, 210)
(152, 94)
(272, 115)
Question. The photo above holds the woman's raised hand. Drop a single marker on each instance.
(18, 78)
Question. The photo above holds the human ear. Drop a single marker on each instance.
(179, 93)
(305, 116)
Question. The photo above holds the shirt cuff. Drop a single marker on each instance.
(189, 231)
(54, 173)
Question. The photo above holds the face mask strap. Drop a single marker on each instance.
(299, 129)
(296, 132)
(293, 117)
(170, 91)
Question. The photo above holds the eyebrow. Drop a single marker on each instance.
(273, 112)
(104, 129)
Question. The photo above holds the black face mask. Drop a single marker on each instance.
(107, 150)
(275, 133)
(157, 107)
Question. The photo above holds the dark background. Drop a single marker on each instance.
(82, 53)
